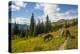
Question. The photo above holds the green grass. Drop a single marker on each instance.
(37, 43)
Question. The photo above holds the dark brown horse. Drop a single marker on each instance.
(48, 37)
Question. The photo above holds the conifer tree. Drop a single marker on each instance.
(32, 25)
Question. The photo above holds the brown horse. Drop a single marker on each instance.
(48, 37)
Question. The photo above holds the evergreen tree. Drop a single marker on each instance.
(42, 27)
(75, 21)
(34, 33)
(32, 25)
(48, 24)
(38, 28)
(23, 33)
(16, 29)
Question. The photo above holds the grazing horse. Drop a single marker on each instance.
(48, 37)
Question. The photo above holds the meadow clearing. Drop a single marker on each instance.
(37, 44)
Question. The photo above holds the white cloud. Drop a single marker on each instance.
(58, 9)
(37, 6)
(74, 11)
(52, 10)
(66, 15)
(20, 3)
(14, 8)
(12, 20)
(48, 9)
(17, 5)
(21, 20)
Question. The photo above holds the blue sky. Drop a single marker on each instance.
(22, 11)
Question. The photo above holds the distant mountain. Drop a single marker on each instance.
(21, 26)
(59, 22)
(62, 21)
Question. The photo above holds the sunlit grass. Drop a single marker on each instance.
(38, 44)
(35, 44)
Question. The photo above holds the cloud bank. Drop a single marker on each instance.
(20, 20)
(52, 10)
(17, 5)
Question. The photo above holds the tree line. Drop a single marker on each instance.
(36, 28)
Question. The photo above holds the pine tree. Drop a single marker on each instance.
(42, 27)
(32, 25)
(38, 28)
(48, 24)
(16, 29)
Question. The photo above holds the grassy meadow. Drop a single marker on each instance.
(37, 43)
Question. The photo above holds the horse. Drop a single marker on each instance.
(48, 37)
